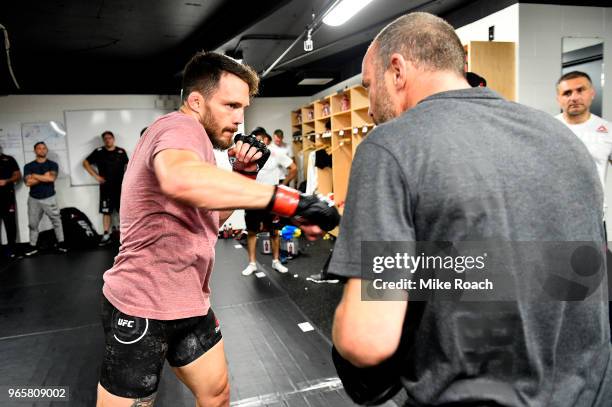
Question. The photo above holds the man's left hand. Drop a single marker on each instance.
(248, 155)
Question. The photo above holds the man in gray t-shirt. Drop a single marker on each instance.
(451, 165)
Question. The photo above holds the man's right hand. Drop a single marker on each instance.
(304, 209)
(100, 179)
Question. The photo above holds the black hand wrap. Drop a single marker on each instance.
(259, 146)
(369, 385)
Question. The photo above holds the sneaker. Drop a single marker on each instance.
(249, 269)
(105, 239)
(61, 247)
(30, 250)
(276, 265)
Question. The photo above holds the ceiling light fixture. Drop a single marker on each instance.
(315, 81)
(343, 11)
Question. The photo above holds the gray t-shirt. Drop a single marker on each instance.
(467, 165)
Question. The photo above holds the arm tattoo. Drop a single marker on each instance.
(144, 401)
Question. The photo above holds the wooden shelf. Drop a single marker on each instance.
(358, 138)
(296, 118)
(320, 125)
(359, 98)
(346, 111)
(360, 118)
(341, 121)
(307, 113)
(322, 108)
(342, 157)
(341, 102)
(325, 181)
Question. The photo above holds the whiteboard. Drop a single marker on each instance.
(10, 141)
(84, 128)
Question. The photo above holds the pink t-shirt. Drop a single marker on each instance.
(167, 252)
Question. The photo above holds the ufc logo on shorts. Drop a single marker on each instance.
(125, 322)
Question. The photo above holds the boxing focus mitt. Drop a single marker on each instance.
(368, 385)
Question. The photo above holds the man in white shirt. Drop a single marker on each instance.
(283, 148)
(575, 95)
(269, 174)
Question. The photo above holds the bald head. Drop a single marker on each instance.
(412, 58)
(427, 41)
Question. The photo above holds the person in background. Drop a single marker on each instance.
(111, 162)
(9, 176)
(575, 94)
(254, 218)
(40, 176)
(280, 146)
(156, 302)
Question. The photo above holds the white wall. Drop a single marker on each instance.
(354, 80)
(40, 108)
(273, 113)
(506, 24)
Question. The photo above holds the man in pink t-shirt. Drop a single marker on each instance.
(156, 303)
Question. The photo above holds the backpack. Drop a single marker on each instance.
(79, 232)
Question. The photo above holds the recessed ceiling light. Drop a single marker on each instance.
(315, 81)
(343, 11)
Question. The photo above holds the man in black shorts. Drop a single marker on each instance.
(111, 162)
(157, 294)
(255, 219)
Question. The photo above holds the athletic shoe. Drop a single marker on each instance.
(276, 265)
(30, 250)
(249, 269)
(61, 247)
(105, 239)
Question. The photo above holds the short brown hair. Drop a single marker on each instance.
(426, 40)
(107, 132)
(574, 75)
(203, 72)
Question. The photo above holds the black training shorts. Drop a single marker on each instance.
(137, 347)
(254, 220)
(110, 198)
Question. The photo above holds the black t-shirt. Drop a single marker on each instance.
(44, 189)
(8, 166)
(110, 163)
